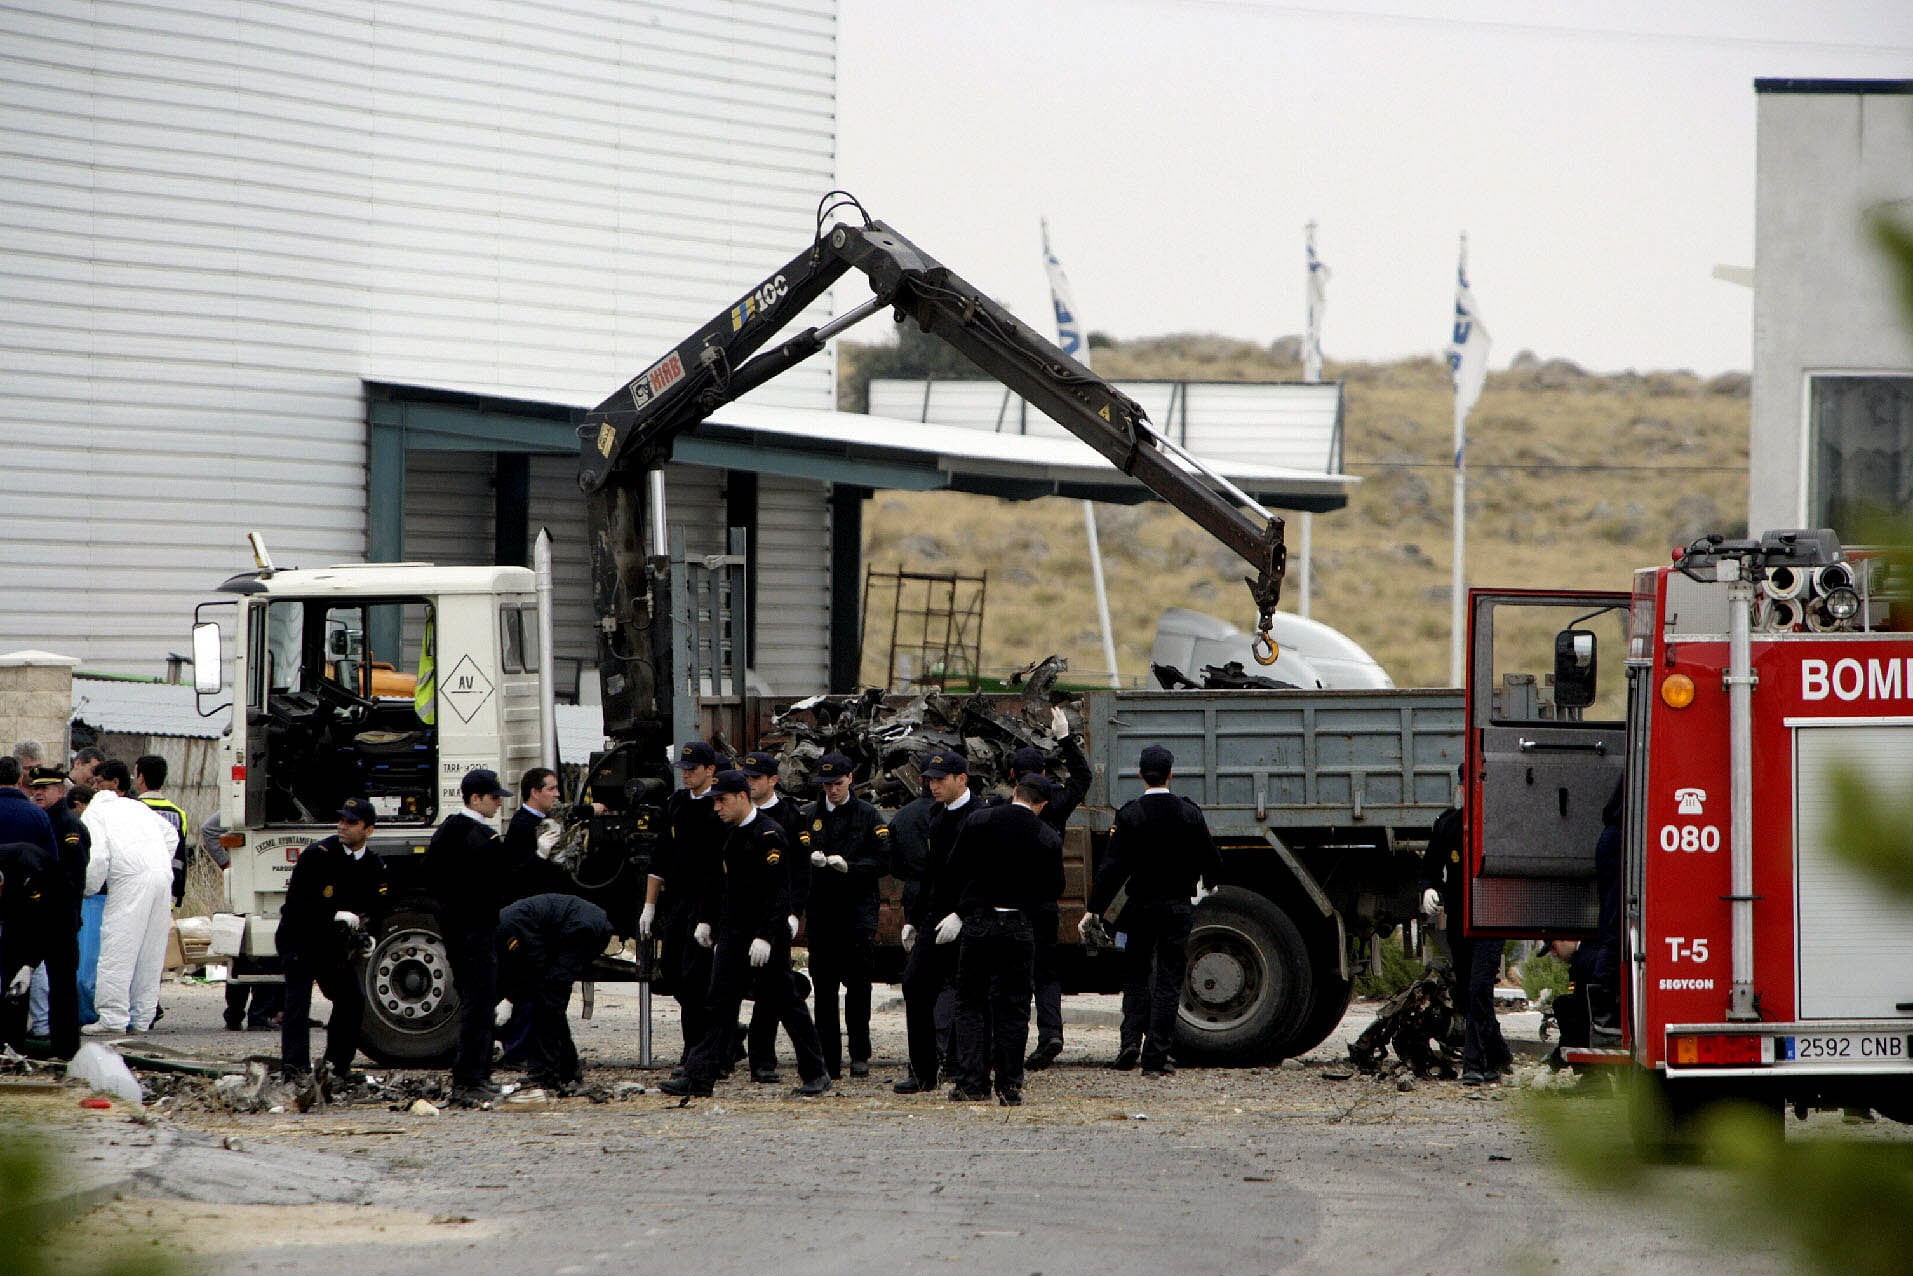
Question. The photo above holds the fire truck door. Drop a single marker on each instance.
(1548, 742)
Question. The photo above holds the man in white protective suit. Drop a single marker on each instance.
(133, 863)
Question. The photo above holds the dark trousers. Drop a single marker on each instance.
(1477, 964)
(1153, 967)
(689, 964)
(542, 998)
(475, 977)
(765, 1021)
(254, 1005)
(1049, 982)
(841, 957)
(340, 981)
(732, 979)
(994, 960)
(62, 958)
(929, 977)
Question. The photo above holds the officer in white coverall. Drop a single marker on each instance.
(133, 863)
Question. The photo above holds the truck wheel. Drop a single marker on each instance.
(1332, 997)
(1248, 982)
(411, 1011)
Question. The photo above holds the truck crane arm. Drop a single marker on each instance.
(631, 433)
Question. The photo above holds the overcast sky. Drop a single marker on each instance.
(1600, 158)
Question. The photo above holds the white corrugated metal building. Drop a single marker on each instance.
(221, 222)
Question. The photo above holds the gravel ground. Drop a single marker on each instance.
(1291, 1168)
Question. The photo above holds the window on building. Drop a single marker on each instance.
(1861, 451)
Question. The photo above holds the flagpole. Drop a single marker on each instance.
(1463, 362)
(1074, 344)
(1311, 374)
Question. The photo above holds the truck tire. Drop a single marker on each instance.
(1248, 984)
(1332, 997)
(411, 1010)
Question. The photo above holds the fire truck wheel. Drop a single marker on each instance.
(411, 1011)
(1248, 986)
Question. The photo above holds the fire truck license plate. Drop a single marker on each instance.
(1839, 1047)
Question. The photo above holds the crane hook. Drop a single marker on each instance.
(1263, 648)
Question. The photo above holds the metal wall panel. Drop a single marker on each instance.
(221, 219)
(793, 585)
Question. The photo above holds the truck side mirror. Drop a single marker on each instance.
(209, 674)
(1574, 665)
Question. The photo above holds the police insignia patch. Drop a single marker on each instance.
(1454, 857)
(327, 892)
(883, 830)
(817, 826)
(772, 859)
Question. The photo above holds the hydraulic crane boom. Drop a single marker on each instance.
(631, 433)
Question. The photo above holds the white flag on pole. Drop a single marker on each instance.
(1069, 330)
(1467, 349)
(1318, 306)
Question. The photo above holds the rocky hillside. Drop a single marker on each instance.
(1575, 479)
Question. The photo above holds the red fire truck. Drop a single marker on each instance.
(1753, 963)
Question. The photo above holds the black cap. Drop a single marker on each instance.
(360, 811)
(482, 782)
(1156, 758)
(40, 776)
(834, 766)
(943, 762)
(1027, 759)
(696, 753)
(761, 765)
(730, 782)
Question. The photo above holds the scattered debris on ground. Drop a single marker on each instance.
(1423, 1026)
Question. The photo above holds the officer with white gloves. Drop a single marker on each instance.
(132, 861)
(335, 900)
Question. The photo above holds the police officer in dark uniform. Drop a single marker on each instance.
(845, 842)
(1161, 851)
(1066, 796)
(466, 868)
(39, 912)
(929, 973)
(744, 916)
(678, 870)
(1476, 962)
(760, 772)
(335, 900)
(1006, 865)
(46, 785)
(545, 944)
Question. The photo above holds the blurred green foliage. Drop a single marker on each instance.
(28, 1180)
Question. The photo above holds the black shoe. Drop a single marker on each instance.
(860, 1067)
(235, 1023)
(1163, 1069)
(685, 1088)
(472, 1096)
(1010, 1098)
(765, 1076)
(1127, 1058)
(909, 1085)
(960, 1095)
(811, 1089)
(1043, 1056)
(1471, 1077)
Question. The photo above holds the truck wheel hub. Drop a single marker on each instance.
(1226, 978)
(411, 976)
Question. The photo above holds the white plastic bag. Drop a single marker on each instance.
(228, 933)
(102, 1069)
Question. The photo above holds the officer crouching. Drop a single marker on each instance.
(334, 904)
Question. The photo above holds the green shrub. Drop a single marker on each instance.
(1398, 971)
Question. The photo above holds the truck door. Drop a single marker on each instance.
(1547, 743)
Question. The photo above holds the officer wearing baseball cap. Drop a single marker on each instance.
(1064, 798)
(1160, 856)
(470, 877)
(685, 859)
(929, 973)
(760, 774)
(335, 901)
(847, 845)
(46, 785)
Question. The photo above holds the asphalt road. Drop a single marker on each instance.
(1292, 1169)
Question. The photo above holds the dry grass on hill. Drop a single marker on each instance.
(1575, 479)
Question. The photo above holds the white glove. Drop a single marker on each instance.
(949, 928)
(1203, 892)
(22, 979)
(1084, 925)
(1430, 902)
(649, 915)
(792, 919)
(550, 833)
(702, 934)
(351, 920)
(760, 951)
(909, 937)
(1058, 722)
(817, 859)
(837, 862)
